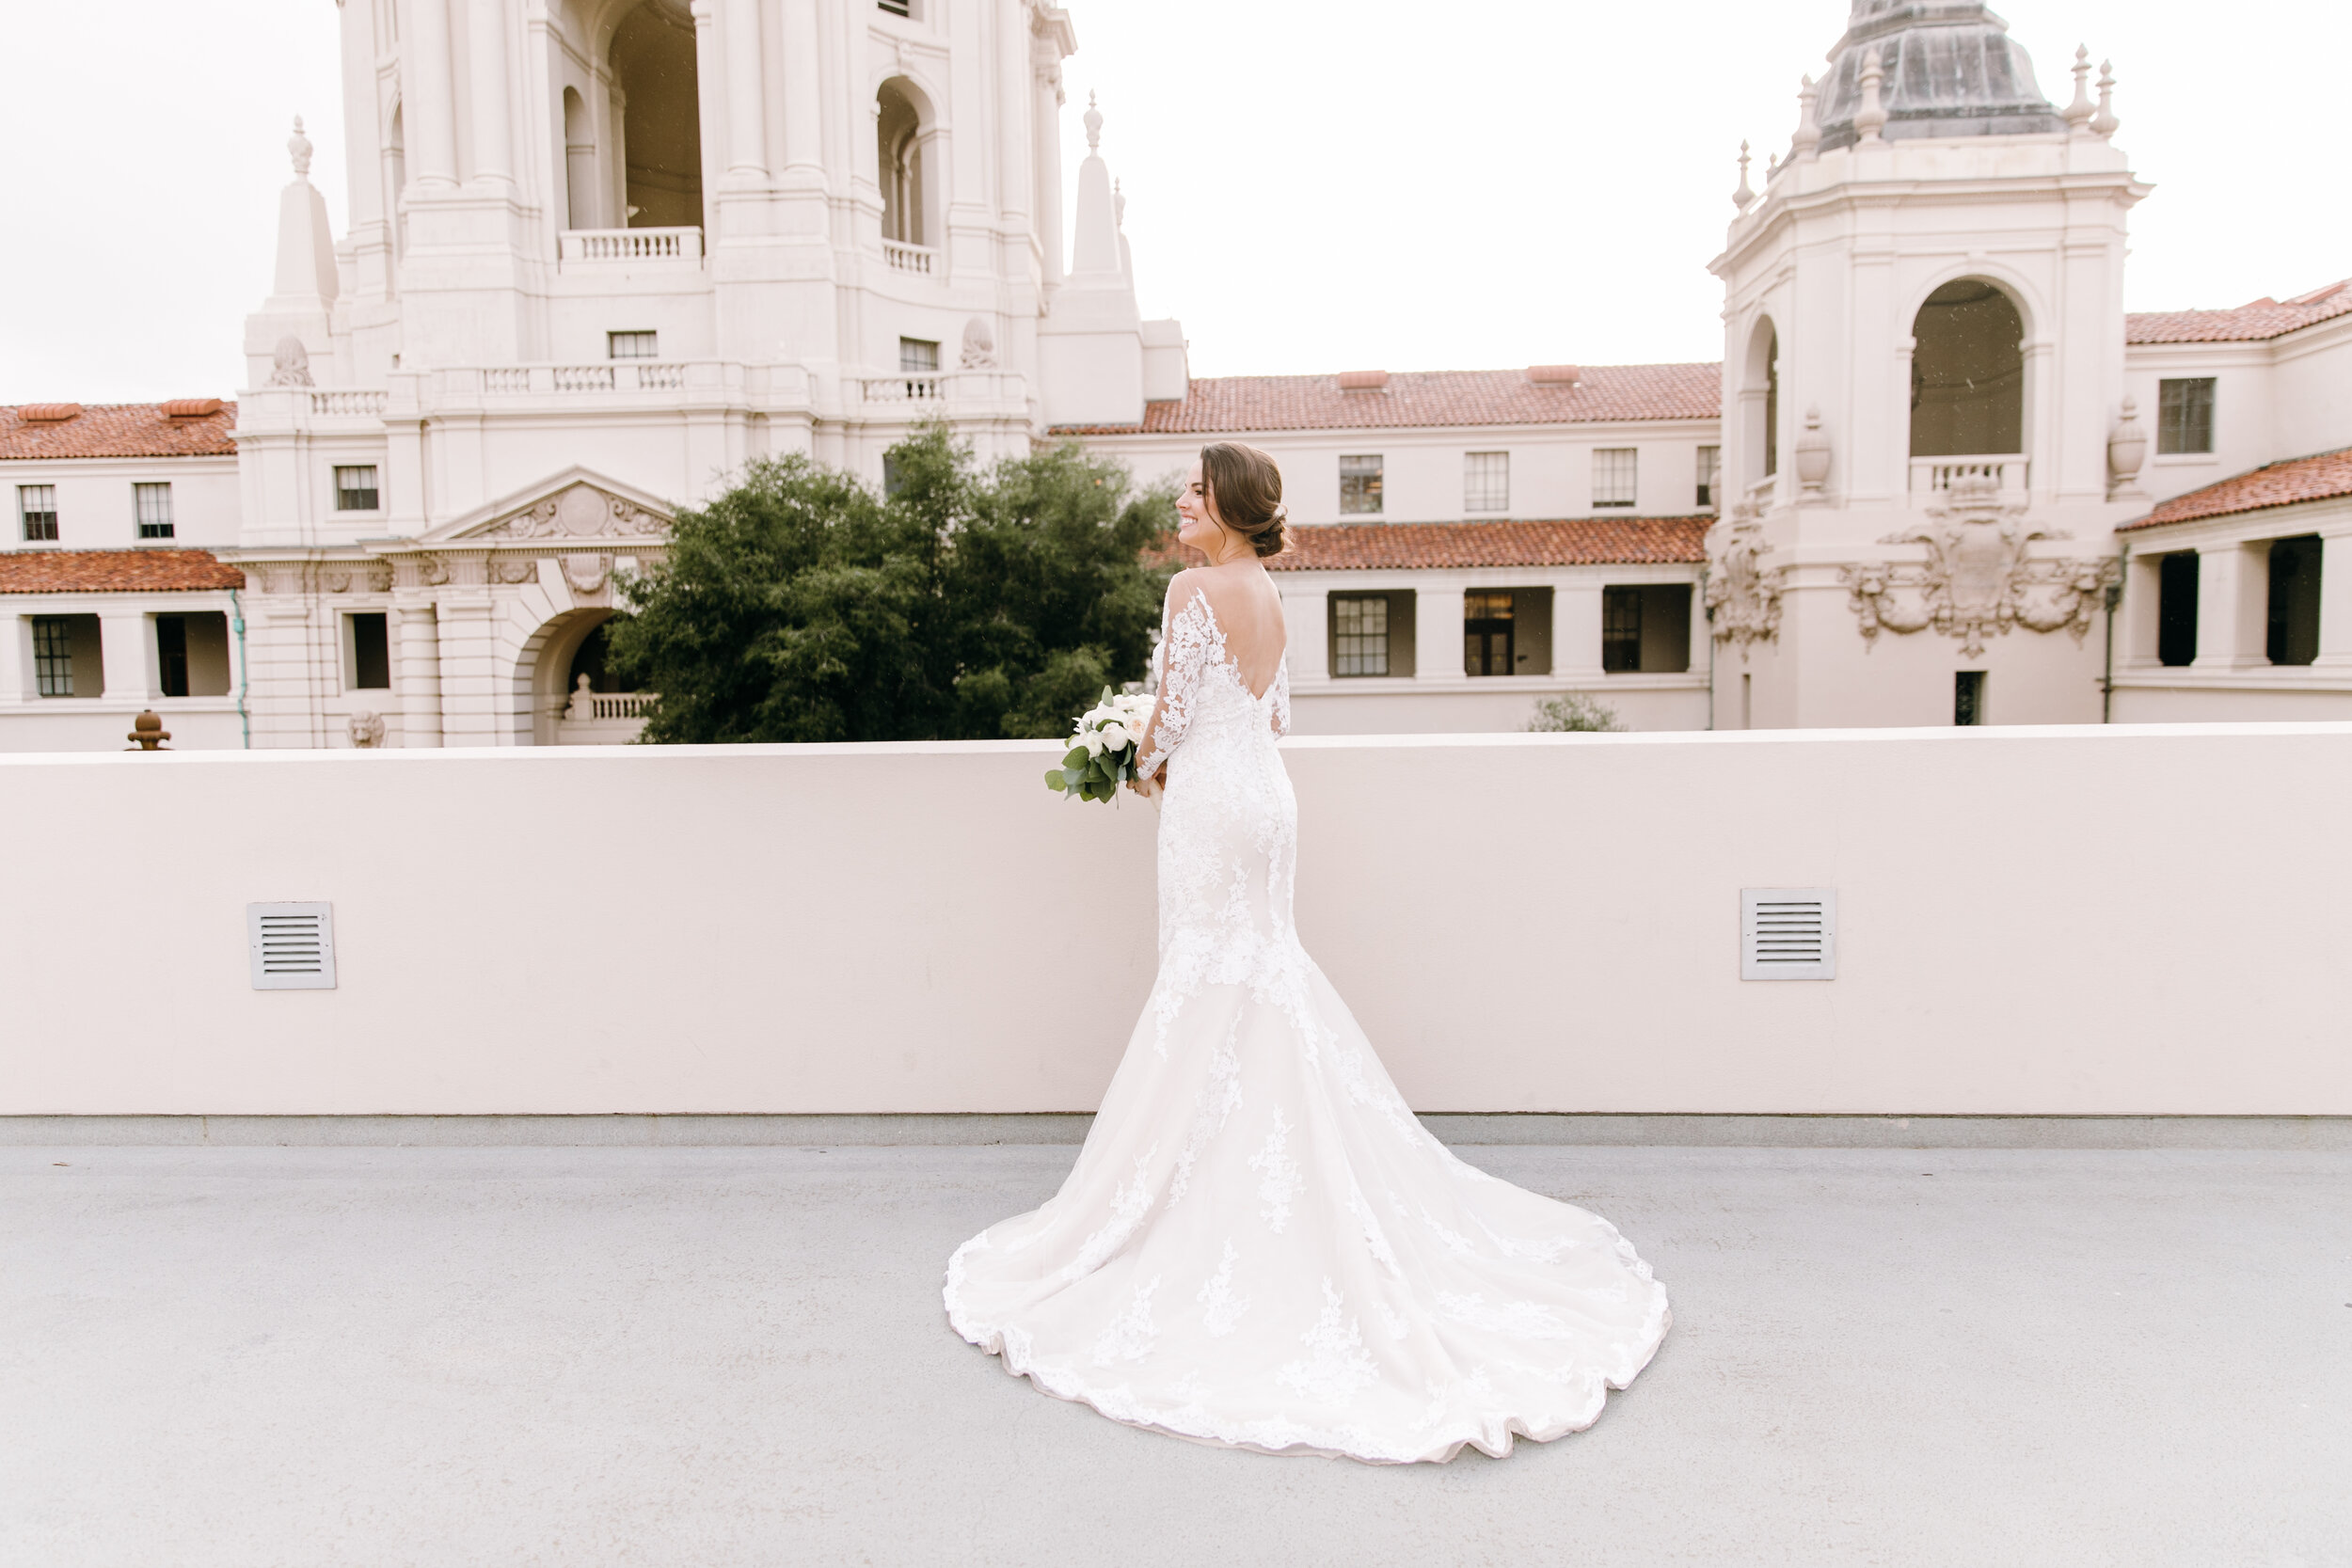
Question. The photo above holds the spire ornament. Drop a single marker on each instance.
(1093, 118)
(298, 146)
(2104, 123)
(1870, 118)
(1742, 196)
(1806, 145)
(2078, 112)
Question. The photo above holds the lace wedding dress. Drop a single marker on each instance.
(1260, 1245)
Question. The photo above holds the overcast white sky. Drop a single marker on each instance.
(1312, 185)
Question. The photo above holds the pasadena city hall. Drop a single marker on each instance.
(602, 253)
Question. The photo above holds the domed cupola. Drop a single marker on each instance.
(1951, 69)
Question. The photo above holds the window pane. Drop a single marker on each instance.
(371, 654)
(354, 488)
(152, 503)
(37, 505)
(2185, 415)
(918, 356)
(1487, 481)
(2294, 629)
(632, 345)
(53, 656)
(171, 654)
(1488, 629)
(1614, 482)
(1359, 636)
(1359, 486)
(1621, 630)
(1710, 474)
(2177, 608)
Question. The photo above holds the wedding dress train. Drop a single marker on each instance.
(1259, 1244)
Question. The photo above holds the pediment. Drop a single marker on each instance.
(578, 504)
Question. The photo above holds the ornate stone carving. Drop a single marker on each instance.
(1812, 453)
(582, 705)
(2127, 448)
(979, 345)
(335, 579)
(582, 511)
(380, 576)
(587, 573)
(1977, 580)
(290, 364)
(513, 569)
(366, 728)
(1743, 596)
(432, 571)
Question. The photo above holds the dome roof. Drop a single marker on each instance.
(1951, 71)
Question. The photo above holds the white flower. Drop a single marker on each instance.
(1093, 743)
(1114, 735)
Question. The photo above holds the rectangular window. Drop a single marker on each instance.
(1359, 486)
(37, 505)
(1710, 474)
(632, 345)
(2294, 631)
(1487, 481)
(171, 654)
(1620, 631)
(2185, 415)
(371, 654)
(918, 356)
(1645, 630)
(1968, 697)
(896, 8)
(1359, 634)
(1615, 476)
(53, 656)
(2177, 608)
(354, 488)
(1487, 628)
(153, 503)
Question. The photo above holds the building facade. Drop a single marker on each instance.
(602, 253)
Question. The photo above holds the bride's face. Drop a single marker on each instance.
(1196, 524)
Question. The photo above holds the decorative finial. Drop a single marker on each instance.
(1806, 145)
(1118, 206)
(1093, 125)
(1871, 118)
(299, 145)
(1742, 196)
(2104, 123)
(2078, 112)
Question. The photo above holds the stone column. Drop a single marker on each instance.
(1437, 635)
(1576, 631)
(2335, 597)
(126, 651)
(469, 688)
(420, 676)
(1047, 80)
(1306, 613)
(16, 659)
(428, 103)
(803, 123)
(710, 92)
(2232, 607)
(493, 138)
(747, 138)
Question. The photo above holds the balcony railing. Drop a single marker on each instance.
(616, 247)
(1931, 476)
(904, 388)
(340, 404)
(617, 375)
(617, 704)
(908, 258)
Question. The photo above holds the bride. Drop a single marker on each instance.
(1260, 1245)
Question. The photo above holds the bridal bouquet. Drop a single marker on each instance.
(1102, 745)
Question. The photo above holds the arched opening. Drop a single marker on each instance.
(562, 711)
(1969, 372)
(898, 147)
(1759, 404)
(579, 164)
(589, 660)
(395, 181)
(652, 60)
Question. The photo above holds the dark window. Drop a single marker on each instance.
(1359, 486)
(896, 8)
(152, 503)
(1967, 373)
(632, 345)
(1645, 630)
(371, 654)
(354, 488)
(1968, 697)
(1771, 405)
(1710, 474)
(37, 505)
(2185, 415)
(2177, 608)
(171, 654)
(2294, 632)
(1359, 634)
(918, 356)
(1620, 629)
(53, 656)
(1486, 634)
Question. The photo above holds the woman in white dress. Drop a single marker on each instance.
(1260, 1245)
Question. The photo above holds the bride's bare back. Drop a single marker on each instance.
(1248, 607)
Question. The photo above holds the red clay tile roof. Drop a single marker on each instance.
(1575, 542)
(1241, 403)
(2265, 318)
(114, 572)
(118, 430)
(2297, 479)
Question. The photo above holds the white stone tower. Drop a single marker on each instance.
(1923, 369)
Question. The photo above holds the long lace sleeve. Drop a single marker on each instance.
(1279, 699)
(1187, 641)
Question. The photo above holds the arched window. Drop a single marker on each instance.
(661, 145)
(579, 164)
(898, 133)
(1967, 373)
(1759, 404)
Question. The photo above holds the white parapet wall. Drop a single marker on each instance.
(2032, 922)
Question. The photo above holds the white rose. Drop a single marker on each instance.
(1093, 743)
(1114, 735)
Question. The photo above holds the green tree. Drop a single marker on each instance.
(966, 604)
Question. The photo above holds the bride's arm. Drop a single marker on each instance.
(1179, 663)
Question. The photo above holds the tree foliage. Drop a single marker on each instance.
(966, 604)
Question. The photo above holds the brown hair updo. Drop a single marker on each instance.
(1246, 493)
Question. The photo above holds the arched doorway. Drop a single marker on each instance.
(607, 710)
(662, 138)
(899, 135)
(1969, 372)
(580, 206)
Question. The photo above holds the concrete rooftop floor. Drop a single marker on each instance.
(719, 1357)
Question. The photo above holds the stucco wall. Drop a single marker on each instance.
(2035, 921)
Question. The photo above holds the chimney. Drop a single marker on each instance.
(1363, 381)
(1555, 375)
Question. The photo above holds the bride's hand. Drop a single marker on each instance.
(1146, 786)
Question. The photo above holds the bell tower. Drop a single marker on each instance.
(1923, 366)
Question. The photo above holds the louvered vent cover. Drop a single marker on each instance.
(292, 945)
(1787, 933)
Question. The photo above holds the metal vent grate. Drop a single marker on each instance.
(292, 945)
(1787, 933)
